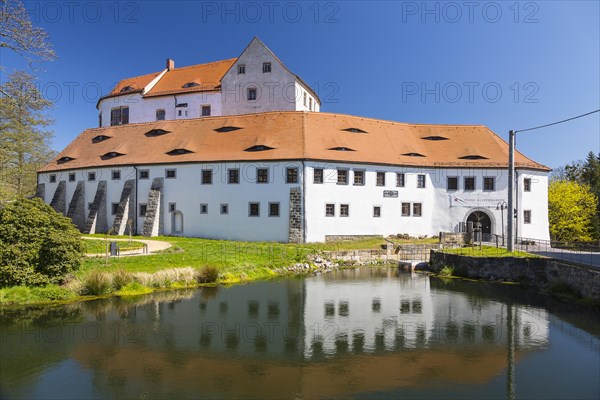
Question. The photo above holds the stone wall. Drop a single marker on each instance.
(538, 272)
(152, 220)
(59, 200)
(76, 209)
(295, 234)
(337, 238)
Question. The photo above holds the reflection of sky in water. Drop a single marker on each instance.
(366, 332)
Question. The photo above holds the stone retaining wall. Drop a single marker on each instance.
(538, 272)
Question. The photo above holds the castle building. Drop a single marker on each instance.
(238, 149)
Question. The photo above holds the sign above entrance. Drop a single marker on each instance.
(474, 201)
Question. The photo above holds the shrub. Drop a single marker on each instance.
(208, 274)
(37, 245)
(97, 283)
(446, 271)
(134, 289)
(121, 278)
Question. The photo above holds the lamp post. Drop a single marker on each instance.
(502, 206)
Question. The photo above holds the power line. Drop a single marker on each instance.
(558, 122)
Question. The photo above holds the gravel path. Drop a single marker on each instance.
(153, 246)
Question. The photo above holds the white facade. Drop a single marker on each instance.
(191, 208)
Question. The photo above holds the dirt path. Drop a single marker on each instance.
(152, 245)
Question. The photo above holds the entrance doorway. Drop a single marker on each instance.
(482, 218)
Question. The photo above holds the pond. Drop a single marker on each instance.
(364, 333)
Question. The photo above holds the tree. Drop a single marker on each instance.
(571, 210)
(24, 142)
(19, 35)
(37, 245)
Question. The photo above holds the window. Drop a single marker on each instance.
(342, 176)
(262, 175)
(224, 209)
(91, 176)
(144, 173)
(527, 184)
(359, 178)
(400, 179)
(266, 67)
(330, 210)
(203, 208)
(116, 175)
(406, 209)
(99, 120)
(207, 175)
(233, 176)
(273, 209)
(469, 183)
(170, 173)
(119, 116)
(52, 178)
(254, 209)
(114, 208)
(381, 179)
(376, 211)
(310, 103)
(241, 69)
(452, 183)
(344, 210)
(489, 183)
(420, 181)
(160, 115)
(205, 111)
(143, 210)
(318, 175)
(526, 216)
(291, 175)
(416, 209)
(72, 177)
(305, 99)
(251, 94)
(172, 207)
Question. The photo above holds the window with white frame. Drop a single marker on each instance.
(380, 178)
(420, 181)
(318, 175)
(330, 210)
(344, 210)
(400, 179)
(489, 184)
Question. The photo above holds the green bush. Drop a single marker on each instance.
(208, 274)
(121, 278)
(38, 246)
(97, 283)
(446, 271)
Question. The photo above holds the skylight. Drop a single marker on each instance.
(435, 138)
(156, 132)
(354, 130)
(227, 129)
(341, 149)
(259, 147)
(176, 152)
(99, 138)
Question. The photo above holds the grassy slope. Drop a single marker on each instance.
(489, 251)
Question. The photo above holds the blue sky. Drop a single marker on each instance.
(507, 65)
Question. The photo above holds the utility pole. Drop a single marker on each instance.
(510, 215)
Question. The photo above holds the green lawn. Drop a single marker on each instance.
(489, 251)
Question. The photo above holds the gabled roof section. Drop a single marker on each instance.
(137, 83)
(207, 76)
(292, 135)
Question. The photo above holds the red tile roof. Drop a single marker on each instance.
(293, 135)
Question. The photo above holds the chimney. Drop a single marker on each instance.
(170, 64)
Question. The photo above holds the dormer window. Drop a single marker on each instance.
(156, 132)
(473, 157)
(241, 68)
(190, 84)
(227, 129)
(100, 138)
(341, 149)
(176, 152)
(65, 159)
(413, 155)
(111, 154)
(259, 147)
(266, 67)
(354, 130)
(434, 138)
(127, 89)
